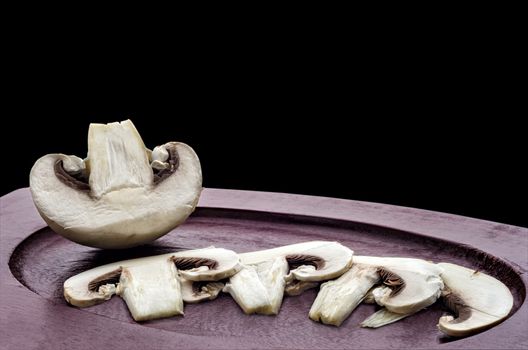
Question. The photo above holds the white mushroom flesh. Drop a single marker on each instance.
(151, 290)
(418, 283)
(196, 292)
(478, 300)
(331, 259)
(247, 290)
(259, 288)
(338, 298)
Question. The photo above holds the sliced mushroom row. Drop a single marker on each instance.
(158, 286)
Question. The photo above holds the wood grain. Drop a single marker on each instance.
(35, 262)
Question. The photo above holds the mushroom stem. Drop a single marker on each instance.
(247, 290)
(337, 299)
(118, 158)
(151, 290)
(259, 288)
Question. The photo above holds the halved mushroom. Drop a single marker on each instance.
(99, 284)
(478, 301)
(408, 285)
(116, 198)
(259, 287)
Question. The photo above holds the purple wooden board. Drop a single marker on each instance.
(35, 261)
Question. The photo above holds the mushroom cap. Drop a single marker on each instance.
(122, 218)
(486, 299)
(331, 259)
(80, 290)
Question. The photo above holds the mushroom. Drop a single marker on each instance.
(329, 259)
(151, 290)
(408, 285)
(99, 284)
(337, 299)
(116, 198)
(259, 287)
(478, 301)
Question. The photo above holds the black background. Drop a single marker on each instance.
(433, 122)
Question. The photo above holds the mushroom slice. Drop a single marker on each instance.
(259, 288)
(330, 259)
(409, 284)
(337, 299)
(115, 198)
(248, 291)
(478, 301)
(151, 290)
(95, 285)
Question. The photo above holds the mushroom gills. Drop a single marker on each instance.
(151, 290)
(259, 288)
(338, 298)
(477, 300)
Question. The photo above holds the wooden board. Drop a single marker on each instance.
(35, 261)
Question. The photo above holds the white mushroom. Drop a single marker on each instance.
(259, 287)
(330, 259)
(408, 285)
(114, 198)
(247, 290)
(98, 284)
(151, 290)
(478, 301)
(337, 299)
